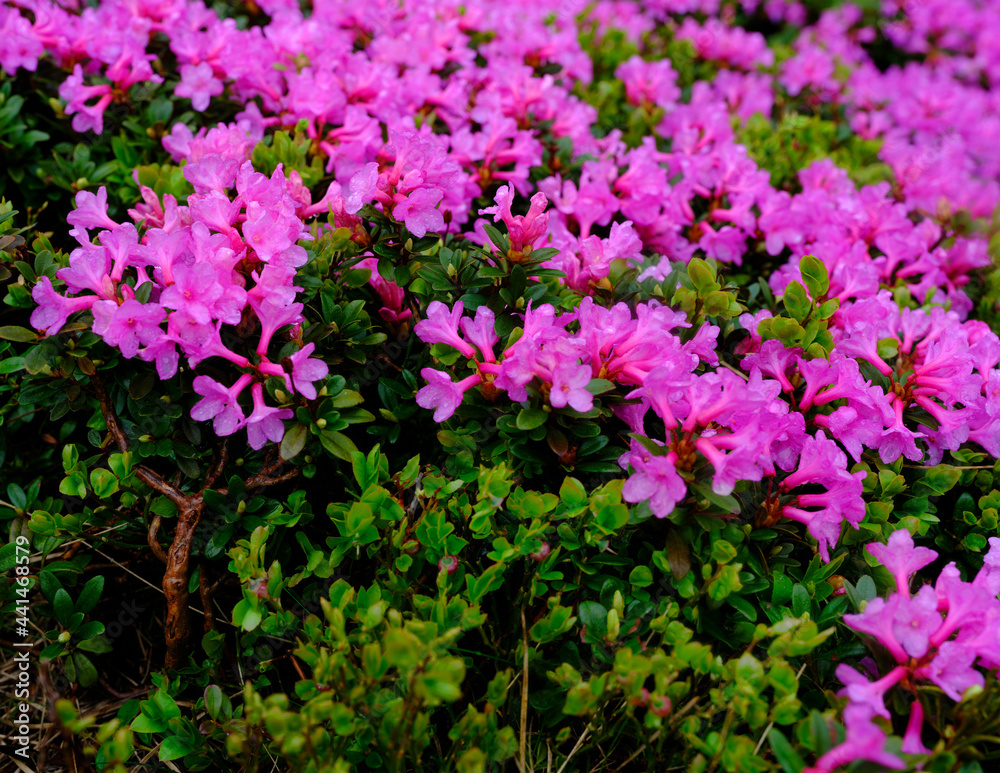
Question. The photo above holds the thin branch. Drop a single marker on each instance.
(110, 418)
(576, 747)
(638, 751)
(261, 479)
(156, 482)
(152, 537)
(216, 472)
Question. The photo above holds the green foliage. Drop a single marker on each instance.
(795, 141)
(807, 312)
(75, 641)
(401, 595)
(292, 152)
(19, 139)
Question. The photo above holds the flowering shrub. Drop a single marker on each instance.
(578, 386)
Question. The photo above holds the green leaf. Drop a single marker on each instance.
(787, 757)
(887, 348)
(213, 701)
(554, 625)
(529, 418)
(346, 399)
(701, 273)
(723, 552)
(88, 630)
(15, 333)
(797, 301)
(572, 493)
(99, 645)
(942, 478)
(750, 673)
(726, 582)
(826, 309)
(12, 365)
(141, 385)
(103, 482)
(163, 507)
(174, 747)
(781, 591)
(408, 474)
(246, 615)
(815, 276)
(975, 542)
(641, 577)
(62, 604)
(294, 441)
(144, 724)
(593, 615)
(90, 594)
(86, 674)
(801, 602)
(70, 456)
(716, 503)
(598, 386)
(866, 588)
(338, 444)
(498, 239)
(717, 303)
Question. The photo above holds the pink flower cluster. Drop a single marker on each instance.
(943, 634)
(220, 267)
(747, 433)
(463, 115)
(740, 426)
(421, 108)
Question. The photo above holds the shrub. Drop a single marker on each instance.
(536, 386)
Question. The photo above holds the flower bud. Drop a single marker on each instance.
(64, 637)
(541, 553)
(614, 625)
(321, 423)
(660, 705)
(448, 564)
(972, 691)
(258, 587)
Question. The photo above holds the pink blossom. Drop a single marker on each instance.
(265, 422)
(442, 394)
(54, 309)
(199, 84)
(220, 404)
(655, 479)
(128, 325)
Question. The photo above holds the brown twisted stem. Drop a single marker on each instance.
(177, 628)
(190, 507)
